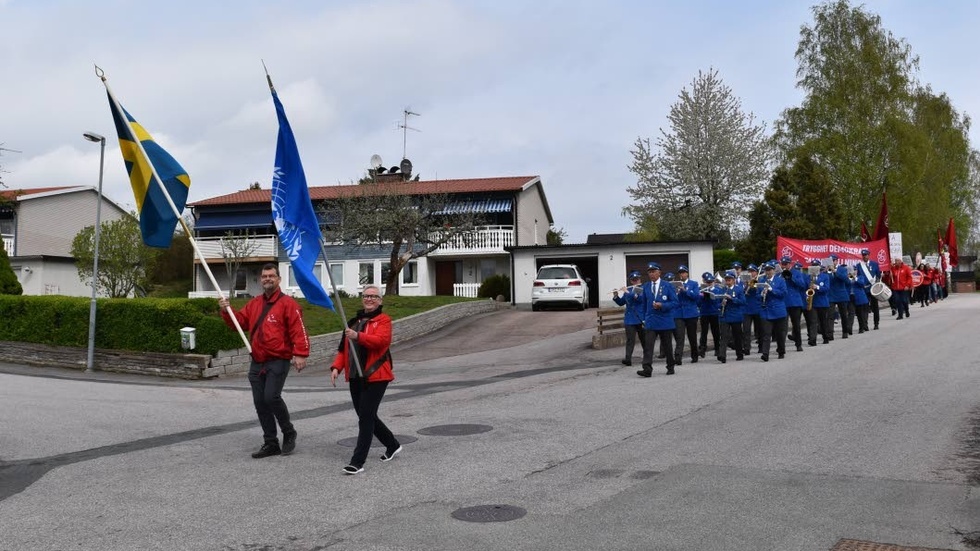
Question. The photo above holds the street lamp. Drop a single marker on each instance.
(89, 365)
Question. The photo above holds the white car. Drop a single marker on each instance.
(560, 284)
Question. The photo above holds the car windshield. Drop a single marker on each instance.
(557, 273)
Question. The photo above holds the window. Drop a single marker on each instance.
(365, 273)
(488, 268)
(6, 227)
(410, 273)
(241, 280)
(337, 274)
(385, 272)
(317, 273)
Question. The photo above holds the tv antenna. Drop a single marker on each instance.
(405, 128)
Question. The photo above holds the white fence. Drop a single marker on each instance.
(485, 239)
(264, 246)
(468, 290)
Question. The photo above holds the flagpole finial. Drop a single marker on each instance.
(267, 77)
(100, 73)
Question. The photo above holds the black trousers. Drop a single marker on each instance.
(812, 319)
(845, 309)
(367, 398)
(689, 325)
(651, 336)
(774, 329)
(730, 332)
(267, 379)
(862, 316)
(634, 332)
(748, 322)
(794, 313)
(873, 304)
(826, 316)
(709, 323)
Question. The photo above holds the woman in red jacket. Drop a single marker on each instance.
(369, 334)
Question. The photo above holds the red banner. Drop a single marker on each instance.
(804, 251)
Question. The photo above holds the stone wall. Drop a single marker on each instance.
(183, 366)
(323, 347)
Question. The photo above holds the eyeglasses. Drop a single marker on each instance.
(371, 297)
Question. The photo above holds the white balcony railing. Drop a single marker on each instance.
(486, 239)
(265, 246)
(468, 290)
(8, 244)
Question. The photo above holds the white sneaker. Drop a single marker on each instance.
(386, 457)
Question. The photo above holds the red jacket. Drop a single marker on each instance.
(374, 339)
(282, 334)
(901, 277)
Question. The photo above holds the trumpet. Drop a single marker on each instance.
(752, 283)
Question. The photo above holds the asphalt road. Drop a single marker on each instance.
(874, 438)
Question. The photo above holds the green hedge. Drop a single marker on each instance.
(144, 324)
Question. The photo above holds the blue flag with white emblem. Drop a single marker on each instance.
(292, 212)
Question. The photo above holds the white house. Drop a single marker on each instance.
(37, 227)
(515, 210)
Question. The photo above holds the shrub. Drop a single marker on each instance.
(495, 285)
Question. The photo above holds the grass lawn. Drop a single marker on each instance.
(320, 321)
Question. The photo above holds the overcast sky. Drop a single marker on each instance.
(559, 89)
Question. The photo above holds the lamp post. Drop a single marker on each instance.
(89, 365)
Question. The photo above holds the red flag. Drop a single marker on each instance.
(881, 227)
(865, 234)
(954, 257)
(940, 242)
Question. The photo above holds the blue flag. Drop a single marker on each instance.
(157, 219)
(292, 212)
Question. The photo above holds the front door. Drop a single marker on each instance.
(445, 277)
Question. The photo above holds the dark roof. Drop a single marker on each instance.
(606, 238)
(430, 187)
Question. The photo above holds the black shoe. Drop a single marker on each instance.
(844, 336)
(644, 373)
(723, 360)
(694, 360)
(826, 341)
(860, 331)
(876, 327)
(670, 371)
(388, 455)
(627, 362)
(799, 347)
(678, 362)
(662, 356)
(702, 351)
(739, 358)
(781, 355)
(351, 469)
(288, 443)
(812, 343)
(267, 450)
(765, 357)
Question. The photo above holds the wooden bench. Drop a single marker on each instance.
(610, 330)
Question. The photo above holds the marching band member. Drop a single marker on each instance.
(632, 299)
(875, 271)
(860, 298)
(796, 284)
(840, 295)
(821, 303)
(772, 298)
(751, 313)
(709, 307)
(686, 316)
(659, 300)
(737, 267)
(731, 317)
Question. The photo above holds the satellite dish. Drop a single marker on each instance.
(375, 160)
(393, 170)
(406, 166)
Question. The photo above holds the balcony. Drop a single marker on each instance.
(486, 239)
(8, 244)
(264, 246)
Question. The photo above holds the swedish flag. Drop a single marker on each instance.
(157, 218)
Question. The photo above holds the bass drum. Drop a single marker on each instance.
(881, 292)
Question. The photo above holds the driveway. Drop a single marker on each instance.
(493, 331)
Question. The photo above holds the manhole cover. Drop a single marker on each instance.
(489, 513)
(454, 430)
(858, 545)
(352, 441)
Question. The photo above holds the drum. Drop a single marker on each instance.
(881, 292)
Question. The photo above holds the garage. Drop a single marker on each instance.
(605, 265)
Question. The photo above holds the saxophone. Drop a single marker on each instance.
(809, 295)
